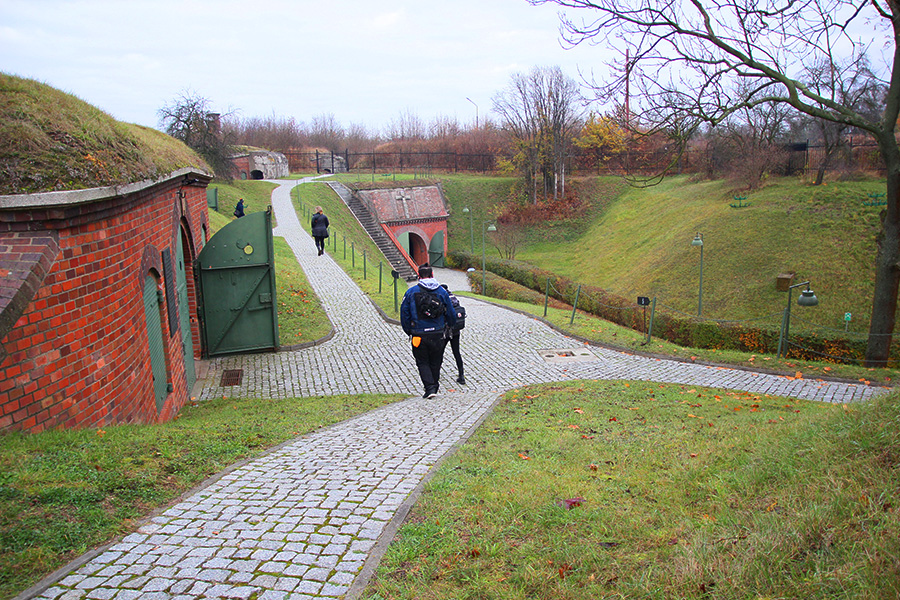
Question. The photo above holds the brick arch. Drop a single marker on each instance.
(418, 242)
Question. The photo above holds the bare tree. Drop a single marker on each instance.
(849, 83)
(408, 126)
(190, 119)
(272, 133)
(707, 59)
(327, 133)
(541, 114)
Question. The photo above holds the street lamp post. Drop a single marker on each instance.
(485, 226)
(698, 241)
(476, 111)
(471, 231)
(807, 298)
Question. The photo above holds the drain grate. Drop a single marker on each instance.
(232, 377)
(565, 355)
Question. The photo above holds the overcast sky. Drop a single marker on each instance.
(364, 61)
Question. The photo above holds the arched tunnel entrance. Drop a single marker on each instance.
(415, 246)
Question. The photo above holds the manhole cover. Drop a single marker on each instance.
(232, 377)
(567, 355)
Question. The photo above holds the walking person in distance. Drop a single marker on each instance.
(319, 226)
(425, 314)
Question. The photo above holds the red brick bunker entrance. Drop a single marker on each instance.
(97, 303)
(415, 218)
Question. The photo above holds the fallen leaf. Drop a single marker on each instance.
(571, 503)
(523, 457)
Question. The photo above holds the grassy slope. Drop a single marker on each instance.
(50, 140)
(639, 244)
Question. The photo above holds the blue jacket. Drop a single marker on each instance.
(409, 319)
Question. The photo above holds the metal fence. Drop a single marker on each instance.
(859, 154)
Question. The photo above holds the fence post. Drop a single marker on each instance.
(652, 314)
(379, 275)
(395, 294)
(364, 265)
(345, 247)
(575, 306)
(353, 254)
(546, 296)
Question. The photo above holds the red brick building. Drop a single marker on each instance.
(415, 217)
(97, 302)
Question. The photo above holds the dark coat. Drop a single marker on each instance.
(319, 225)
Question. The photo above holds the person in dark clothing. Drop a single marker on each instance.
(425, 315)
(319, 225)
(239, 209)
(454, 334)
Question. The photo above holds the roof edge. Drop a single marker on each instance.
(75, 197)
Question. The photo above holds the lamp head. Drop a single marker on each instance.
(466, 209)
(492, 227)
(807, 298)
(698, 240)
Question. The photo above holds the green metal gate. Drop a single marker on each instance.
(236, 283)
(436, 250)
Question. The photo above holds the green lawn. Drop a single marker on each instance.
(590, 489)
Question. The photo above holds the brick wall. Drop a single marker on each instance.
(78, 355)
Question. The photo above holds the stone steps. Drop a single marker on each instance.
(375, 231)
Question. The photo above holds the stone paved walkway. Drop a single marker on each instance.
(311, 518)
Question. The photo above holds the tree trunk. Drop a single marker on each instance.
(887, 263)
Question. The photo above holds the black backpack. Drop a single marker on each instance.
(460, 317)
(429, 305)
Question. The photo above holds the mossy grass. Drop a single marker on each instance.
(594, 489)
(65, 492)
(51, 140)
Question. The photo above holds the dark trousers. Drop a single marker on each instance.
(454, 345)
(320, 243)
(429, 356)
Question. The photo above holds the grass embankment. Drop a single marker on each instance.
(589, 489)
(51, 140)
(301, 318)
(65, 492)
(640, 245)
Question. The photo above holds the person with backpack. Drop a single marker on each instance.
(454, 333)
(425, 314)
(239, 209)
